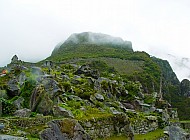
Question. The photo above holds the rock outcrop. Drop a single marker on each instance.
(66, 129)
(23, 113)
(13, 87)
(185, 87)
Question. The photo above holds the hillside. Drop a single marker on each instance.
(92, 86)
(153, 73)
(90, 44)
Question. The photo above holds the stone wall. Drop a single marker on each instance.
(106, 127)
(27, 122)
(145, 125)
(117, 125)
(99, 128)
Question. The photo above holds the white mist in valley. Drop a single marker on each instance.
(180, 65)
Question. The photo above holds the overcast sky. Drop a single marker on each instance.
(32, 28)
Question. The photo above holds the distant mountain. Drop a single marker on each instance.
(91, 43)
(96, 49)
(97, 38)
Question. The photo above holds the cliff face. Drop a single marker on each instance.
(168, 77)
(185, 88)
(179, 64)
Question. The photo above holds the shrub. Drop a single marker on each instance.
(7, 107)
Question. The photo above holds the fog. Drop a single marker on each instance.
(32, 28)
(97, 38)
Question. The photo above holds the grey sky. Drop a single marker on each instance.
(32, 28)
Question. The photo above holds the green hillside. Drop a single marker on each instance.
(93, 86)
(154, 74)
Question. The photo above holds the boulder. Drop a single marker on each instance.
(22, 78)
(76, 80)
(45, 105)
(91, 81)
(93, 99)
(23, 113)
(18, 103)
(87, 71)
(46, 76)
(13, 88)
(102, 79)
(9, 137)
(165, 116)
(151, 118)
(36, 71)
(67, 129)
(115, 111)
(123, 92)
(176, 133)
(97, 85)
(41, 101)
(152, 109)
(62, 112)
(73, 97)
(140, 94)
(99, 97)
(121, 106)
(128, 106)
(51, 86)
(64, 77)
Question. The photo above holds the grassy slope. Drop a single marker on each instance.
(136, 65)
(149, 136)
(70, 51)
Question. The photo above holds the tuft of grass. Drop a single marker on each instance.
(185, 121)
(154, 135)
(114, 138)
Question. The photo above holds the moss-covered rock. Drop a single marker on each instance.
(64, 129)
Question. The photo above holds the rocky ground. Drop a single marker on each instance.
(74, 101)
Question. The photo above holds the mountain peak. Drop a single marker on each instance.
(95, 38)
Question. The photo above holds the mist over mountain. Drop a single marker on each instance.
(95, 38)
(180, 65)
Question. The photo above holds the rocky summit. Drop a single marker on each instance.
(92, 87)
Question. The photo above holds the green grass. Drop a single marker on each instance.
(185, 121)
(124, 66)
(114, 138)
(151, 135)
(30, 138)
